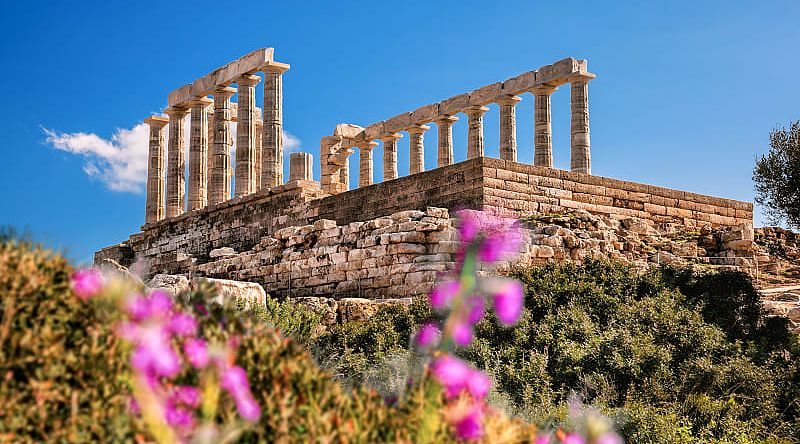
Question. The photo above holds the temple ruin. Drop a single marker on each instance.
(390, 238)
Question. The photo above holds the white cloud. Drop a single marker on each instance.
(121, 162)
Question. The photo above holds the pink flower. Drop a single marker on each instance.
(160, 303)
(609, 438)
(248, 407)
(178, 417)
(138, 307)
(468, 225)
(196, 352)
(501, 243)
(478, 384)
(542, 439)
(86, 283)
(427, 335)
(477, 309)
(462, 333)
(508, 302)
(154, 354)
(234, 380)
(443, 293)
(452, 373)
(469, 427)
(573, 438)
(183, 324)
(186, 395)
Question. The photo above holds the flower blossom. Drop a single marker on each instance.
(469, 427)
(508, 301)
(86, 283)
(234, 381)
(443, 293)
(427, 335)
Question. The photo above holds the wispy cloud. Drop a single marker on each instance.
(120, 162)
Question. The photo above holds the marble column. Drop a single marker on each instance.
(508, 127)
(272, 143)
(257, 162)
(301, 167)
(198, 153)
(176, 175)
(220, 169)
(580, 157)
(244, 182)
(416, 144)
(365, 169)
(390, 156)
(445, 124)
(475, 130)
(543, 130)
(154, 208)
(344, 175)
(210, 158)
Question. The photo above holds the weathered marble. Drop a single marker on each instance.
(220, 168)
(580, 161)
(543, 131)
(475, 127)
(390, 156)
(176, 175)
(445, 124)
(198, 153)
(245, 171)
(155, 169)
(508, 127)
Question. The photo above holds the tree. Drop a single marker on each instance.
(777, 176)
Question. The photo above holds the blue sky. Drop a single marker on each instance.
(685, 97)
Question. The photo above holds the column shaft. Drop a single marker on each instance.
(416, 138)
(508, 127)
(272, 150)
(580, 158)
(365, 168)
(220, 168)
(246, 136)
(198, 153)
(259, 151)
(475, 131)
(543, 130)
(390, 156)
(176, 176)
(154, 208)
(445, 124)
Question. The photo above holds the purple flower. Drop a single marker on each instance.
(183, 324)
(469, 427)
(248, 407)
(468, 225)
(154, 354)
(478, 384)
(86, 283)
(160, 303)
(452, 373)
(196, 352)
(609, 438)
(573, 438)
(477, 309)
(234, 380)
(462, 333)
(542, 439)
(443, 293)
(178, 417)
(138, 307)
(427, 335)
(508, 301)
(186, 395)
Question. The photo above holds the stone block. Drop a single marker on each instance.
(222, 252)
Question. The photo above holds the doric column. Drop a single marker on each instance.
(258, 162)
(272, 143)
(365, 162)
(508, 127)
(344, 175)
(301, 166)
(154, 208)
(543, 138)
(198, 153)
(176, 176)
(220, 169)
(246, 136)
(416, 144)
(445, 124)
(475, 130)
(580, 158)
(210, 158)
(390, 156)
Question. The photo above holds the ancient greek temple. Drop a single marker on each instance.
(258, 162)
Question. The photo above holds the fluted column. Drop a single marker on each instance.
(445, 124)
(198, 153)
(390, 156)
(580, 157)
(344, 174)
(475, 131)
(272, 143)
(220, 188)
(416, 144)
(154, 208)
(176, 176)
(246, 136)
(508, 127)
(365, 169)
(258, 161)
(210, 158)
(543, 130)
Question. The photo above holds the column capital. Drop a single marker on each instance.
(508, 100)
(445, 119)
(543, 89)
(366, 146)
(201, 102)
(224, 91)
(579, 77)
(157, 121)
(475, 109)
(417, 129)
(391, 137)
(177, 111)
(273, 66)
(248, 80)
